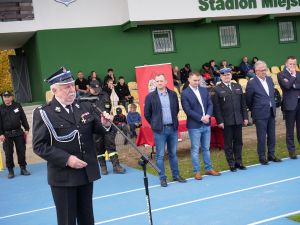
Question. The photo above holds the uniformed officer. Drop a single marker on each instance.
(231, 113)
(63, 136)
(107, 141)
(12, 117)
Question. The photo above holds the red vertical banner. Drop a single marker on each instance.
(145, 77)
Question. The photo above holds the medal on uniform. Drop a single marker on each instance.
(83, 120)
(57, 109)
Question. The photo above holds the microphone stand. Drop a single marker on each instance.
(142, 162)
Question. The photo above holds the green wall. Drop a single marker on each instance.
(100, 48)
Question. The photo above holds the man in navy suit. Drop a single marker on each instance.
(198, 107)
(289, 81)
(161, 110)
(260, 101)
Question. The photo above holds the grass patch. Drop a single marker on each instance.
(295, 218)
(218, 159)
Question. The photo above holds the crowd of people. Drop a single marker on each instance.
(227, 102)
(73, 135)
(210, 72)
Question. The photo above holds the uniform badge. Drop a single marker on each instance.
(16, 110)
(77, 105)
(57, 109)
(83, 119)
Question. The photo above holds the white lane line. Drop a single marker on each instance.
(200, 200)
(275, 218)
(109, 195)
(27, 212)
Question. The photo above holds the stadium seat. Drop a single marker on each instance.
(274, 78)
(181, 115)
(243, 82)
(48, 96)
(132, 85)
(135, 95)
(176, 91)
(275, 69)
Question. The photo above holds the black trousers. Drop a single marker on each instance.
(265, 132)
(292, 117)
(74, 204)
(233, 144)
(8, 147)
(106, 142)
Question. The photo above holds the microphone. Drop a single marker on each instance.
(88, 99)
(144, 157)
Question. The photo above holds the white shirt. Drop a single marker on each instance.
(197, 93)
(265, 85)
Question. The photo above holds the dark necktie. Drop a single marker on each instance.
(69, 107)
(229, 86)
(71, 113)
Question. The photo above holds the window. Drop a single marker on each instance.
(228, 36)
(163, 41)
(286, 31)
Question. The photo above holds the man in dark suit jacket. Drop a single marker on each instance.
(63, 136)
(198, 107)
(261, 103)
(161, 110)
(230, 111)
(289, 81)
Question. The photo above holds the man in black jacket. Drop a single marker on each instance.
(230, 111)
(161, 110)
(12, 118)
(63, 136)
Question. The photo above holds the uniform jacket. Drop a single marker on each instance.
(153, 110)
(257, 99)
(12, 118)
(57, 153)
(192, 107)
(229, 105)
(290, 89)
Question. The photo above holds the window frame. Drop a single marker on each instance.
(294, 30)
(237, 35)
(172, 38)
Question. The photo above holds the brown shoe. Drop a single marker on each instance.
(198, 176)
(212, 173)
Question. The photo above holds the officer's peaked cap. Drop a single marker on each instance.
(62, 76)
(225, 70)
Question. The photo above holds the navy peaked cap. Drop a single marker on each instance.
(62, 76)
(225, 70)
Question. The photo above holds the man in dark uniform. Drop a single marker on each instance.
(231, 113)
(63, 136)
(12, 117)
(107, 141)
